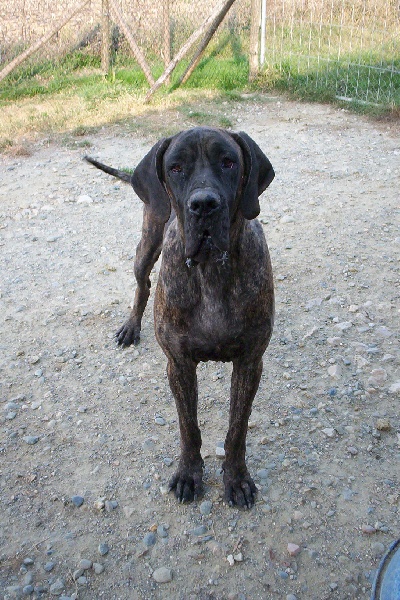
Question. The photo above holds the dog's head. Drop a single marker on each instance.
(208, 175)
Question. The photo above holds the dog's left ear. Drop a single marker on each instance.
(147, 181)
(258, 174)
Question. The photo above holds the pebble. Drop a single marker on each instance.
(81, 580)
(206, 507)
(84, 199)
(334, 341)
(57, 587)
(220, 452)
(329, 432)
(28, 562)
(159, 420)
(377, 549)
(28, 579)
(103, 549)
(344, 325)
(230, 559)
(395, 388)
(162, 532)
(162, 575)
(263, 473)
(287, 219)
(49, 566)
(28, 589)
(85, 564)
(378, 378)
(110, 505)
(77, 501)
(11, 406)
(98, 568)
(168, 461)
(149, 539)
(129, 511)
(201, 530)
(77, 573)
(352, 450)
(368, 529)
(334, 371)
(283, 575)
(293, 549)
(383, 425)
(31, 440)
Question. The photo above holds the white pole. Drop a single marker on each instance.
(263, 32)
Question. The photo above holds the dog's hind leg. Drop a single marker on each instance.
(147, 253)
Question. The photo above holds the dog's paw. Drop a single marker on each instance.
(240, 489)
(128, 334)
(187, 485)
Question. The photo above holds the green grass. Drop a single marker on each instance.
(302, 62)
(324, 63)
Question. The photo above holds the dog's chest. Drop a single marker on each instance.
(218, 323)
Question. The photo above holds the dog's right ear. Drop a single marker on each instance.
(147, 181)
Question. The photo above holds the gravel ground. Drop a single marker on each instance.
(89, 433)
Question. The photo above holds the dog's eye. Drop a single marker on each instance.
(227, 163)
(176, 169)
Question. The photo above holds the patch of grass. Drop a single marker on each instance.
(322, 64)
(5, 144)
(225, 123)
(73, 98)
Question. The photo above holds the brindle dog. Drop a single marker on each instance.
(215, 297)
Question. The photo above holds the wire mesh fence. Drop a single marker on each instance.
(327, 48)
(350, 49)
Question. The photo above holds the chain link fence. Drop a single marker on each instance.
(350, 50)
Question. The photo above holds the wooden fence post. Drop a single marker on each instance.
(186, 47)
(137, 53)
(254, 38)
(204, 43)
(105, 36)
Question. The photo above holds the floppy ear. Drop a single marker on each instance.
(258, 174)
(147, 181)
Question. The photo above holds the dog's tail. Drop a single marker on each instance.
(116, 172)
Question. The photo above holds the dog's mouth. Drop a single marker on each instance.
(206, 237)
(204, 245)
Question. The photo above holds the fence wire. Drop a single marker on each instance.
(347, 49)
(351, 49)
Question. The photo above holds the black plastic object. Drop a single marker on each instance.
(387, 581)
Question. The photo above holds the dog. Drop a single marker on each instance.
(215, 295)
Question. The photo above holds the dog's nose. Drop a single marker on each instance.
(203, 202)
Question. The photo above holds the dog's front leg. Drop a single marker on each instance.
(239, 486)
(147, 253)
(187, 481)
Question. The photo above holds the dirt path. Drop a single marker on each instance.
(80, 417)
